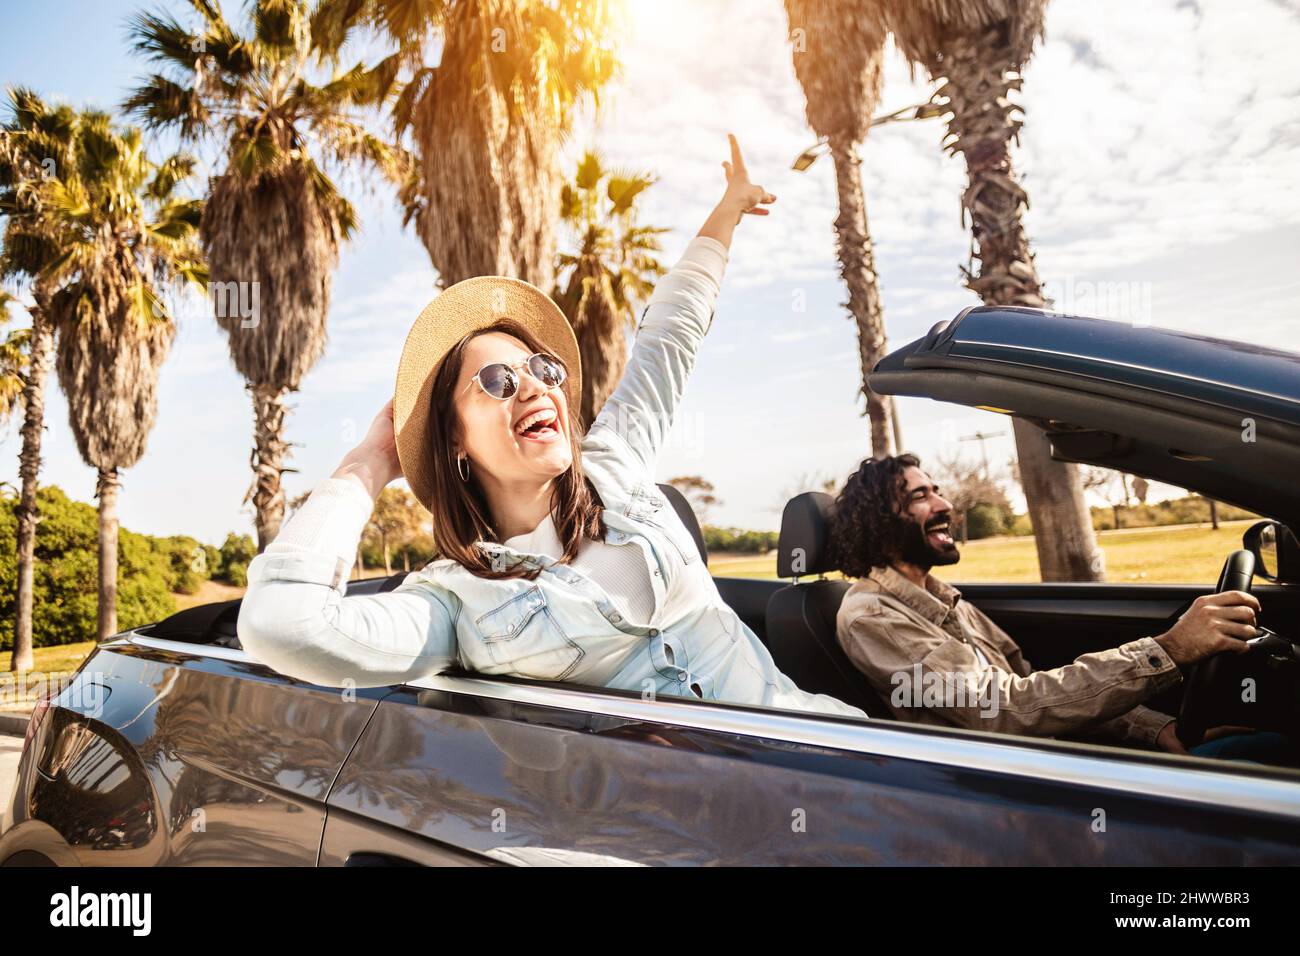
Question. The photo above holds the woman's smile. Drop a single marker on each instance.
(544, 435)
(539, 424)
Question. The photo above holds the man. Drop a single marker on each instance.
(938, 659)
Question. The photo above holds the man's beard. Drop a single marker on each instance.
(921, 552)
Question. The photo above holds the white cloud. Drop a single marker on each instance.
(1161, 147)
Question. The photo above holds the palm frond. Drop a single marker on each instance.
(161, 102)
(161, 38)
(170, 173)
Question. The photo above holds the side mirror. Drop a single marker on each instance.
(1277, 554)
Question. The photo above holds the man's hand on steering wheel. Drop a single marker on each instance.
(1213, 624)
(1167, 739)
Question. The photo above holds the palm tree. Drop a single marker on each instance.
(487, 121)
(274, 219)
(14, 361)
(612, 271)
(126, 234)
(837, 48)
(976, 51)
(35, 148)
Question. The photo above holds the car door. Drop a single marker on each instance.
(162, 752)
(462, 769)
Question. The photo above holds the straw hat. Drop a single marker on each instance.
(459, 310)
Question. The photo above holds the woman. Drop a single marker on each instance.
(559, 558)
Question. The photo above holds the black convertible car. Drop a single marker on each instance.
(172, 747)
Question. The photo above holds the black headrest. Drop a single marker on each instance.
(804, 544)
(198, 624)
(687, 514)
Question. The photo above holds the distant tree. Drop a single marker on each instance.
(394, 521)
(64, 582)
(14, 362)
(738, 540)
(1111, 486)
(976, 52)
(968, 486)
(236, 552)
(699, 492)
(127, 235)
(35, 146)
(807, 481)
(275, 220)
(416, 550)
(487, 91)
(188, 560)
(610, 271)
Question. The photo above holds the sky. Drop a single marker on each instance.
(1161, 154)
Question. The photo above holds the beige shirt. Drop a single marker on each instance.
(920, 650)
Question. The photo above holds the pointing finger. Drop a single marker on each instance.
(737, 161)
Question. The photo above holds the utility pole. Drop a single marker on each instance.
(981, 437)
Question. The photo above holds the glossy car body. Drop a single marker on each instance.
(172, 747)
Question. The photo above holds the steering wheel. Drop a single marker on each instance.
(1203, 676)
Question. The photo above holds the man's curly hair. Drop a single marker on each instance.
(866, 527)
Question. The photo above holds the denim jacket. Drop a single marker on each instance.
(562, 626)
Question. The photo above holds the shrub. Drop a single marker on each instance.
(65, 574)
(236, 552)
(984, 521)
(738, 540)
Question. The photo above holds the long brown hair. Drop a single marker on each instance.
(461, 516)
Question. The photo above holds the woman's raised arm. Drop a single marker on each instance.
(639, 414)
(294, 617)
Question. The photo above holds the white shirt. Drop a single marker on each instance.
(615, 567)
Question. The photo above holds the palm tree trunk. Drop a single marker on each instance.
(269, 453)
(29, 467)
(981, 129)
(898, 427)
(106, 488)
(858, 267)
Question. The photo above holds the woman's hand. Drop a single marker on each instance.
(374, 462)
(742, 198)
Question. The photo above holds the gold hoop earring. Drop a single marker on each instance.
(464, 472)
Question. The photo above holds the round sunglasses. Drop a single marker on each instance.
(500, 380)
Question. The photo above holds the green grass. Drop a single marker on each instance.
(1186, 554)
